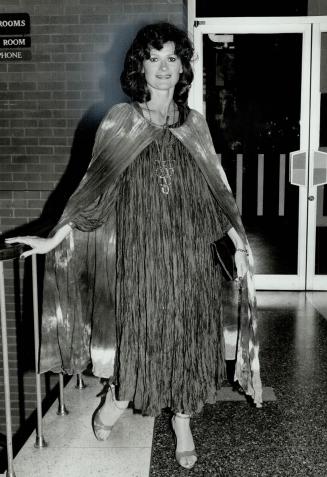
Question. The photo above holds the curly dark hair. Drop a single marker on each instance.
(154, 36)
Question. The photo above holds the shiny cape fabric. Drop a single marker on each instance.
(78, 322)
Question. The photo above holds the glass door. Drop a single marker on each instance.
(252, 83)
(317, 193)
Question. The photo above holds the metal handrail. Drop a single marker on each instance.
(10, 471)
(11, 252)
(40, 442)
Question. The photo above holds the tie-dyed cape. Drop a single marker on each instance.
(78, 322)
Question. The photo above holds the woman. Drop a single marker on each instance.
(131, 253)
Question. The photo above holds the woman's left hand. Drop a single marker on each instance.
(242, 263)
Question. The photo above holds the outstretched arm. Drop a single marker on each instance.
(39, 244)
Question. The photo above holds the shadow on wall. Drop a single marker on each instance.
(84, 136)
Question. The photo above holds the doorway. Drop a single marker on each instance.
(258, 83)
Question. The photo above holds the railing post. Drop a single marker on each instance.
(80, 383)
(10, 472)
(39, 442)
(62, 411)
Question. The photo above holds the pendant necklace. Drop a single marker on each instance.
(164, 166)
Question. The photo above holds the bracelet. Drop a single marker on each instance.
(242, 250)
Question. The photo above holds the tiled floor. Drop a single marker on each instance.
(73, 450)
(287, 437)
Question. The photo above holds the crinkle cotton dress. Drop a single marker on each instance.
(170, 346)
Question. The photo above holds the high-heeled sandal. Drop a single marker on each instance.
(180, 454)
(101, 431)
(97, 425)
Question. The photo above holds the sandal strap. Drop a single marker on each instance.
(113, 398)
(180, 454)
(182, 416)
(99, 424)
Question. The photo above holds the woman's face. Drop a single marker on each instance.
(163, 68)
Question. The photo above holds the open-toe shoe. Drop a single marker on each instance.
(187, 453)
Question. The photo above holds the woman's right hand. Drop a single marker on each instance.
(38, 244)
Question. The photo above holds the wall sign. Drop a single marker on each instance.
(15, 55)
(15, 42)
(15, 24)
(13, 28)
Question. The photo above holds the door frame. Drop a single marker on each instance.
(314, 282)
(266, 26)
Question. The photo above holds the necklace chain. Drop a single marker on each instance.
(165, 167)
(167, 118)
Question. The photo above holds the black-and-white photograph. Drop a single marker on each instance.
(163, 238)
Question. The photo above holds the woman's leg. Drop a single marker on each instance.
(112, 409)
(108, 414)
(185, 449)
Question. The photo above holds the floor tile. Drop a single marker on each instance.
(74, 429)
(72, 448)
(319, 301)
(71, 462)
(227, 394)
(287, 437)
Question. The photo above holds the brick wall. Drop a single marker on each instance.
(50, 109)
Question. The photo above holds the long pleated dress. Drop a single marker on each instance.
(170, 346)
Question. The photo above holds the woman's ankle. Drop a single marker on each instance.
(121, 405)
(182, 415)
